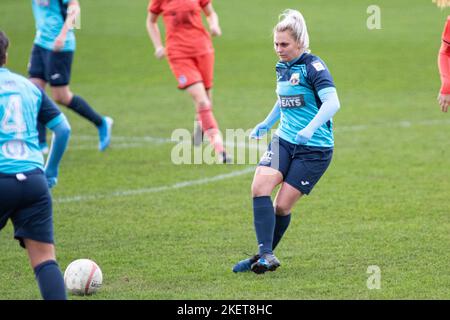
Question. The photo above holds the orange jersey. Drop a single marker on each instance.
(186, 35)
(444, 59)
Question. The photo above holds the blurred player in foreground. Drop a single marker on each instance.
(51, 62)
(24, 183)
(191, 57)
(302, 147)
(444, 61)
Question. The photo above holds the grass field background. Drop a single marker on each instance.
(384, 200)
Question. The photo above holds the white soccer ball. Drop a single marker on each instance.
(83, 277)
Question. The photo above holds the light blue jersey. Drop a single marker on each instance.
(300, 86)
(50, 17)
(22, 104)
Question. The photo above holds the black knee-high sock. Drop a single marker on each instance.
(80, 106)
(264, 219)
(281, 225)
(50, 280)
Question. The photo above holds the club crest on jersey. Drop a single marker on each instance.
(295, 79)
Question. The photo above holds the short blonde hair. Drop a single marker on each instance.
(442, 3)
(293, 21)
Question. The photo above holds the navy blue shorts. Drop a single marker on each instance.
(52, 66)
(301, 166)
(29, 206)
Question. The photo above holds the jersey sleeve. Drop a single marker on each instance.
(48, 112)
(154, 6)
(204, 3)
(319, 75)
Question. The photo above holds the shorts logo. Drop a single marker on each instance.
(55, 76)
(182, 80)
(267, 157)
(305, 183)
(296, 101)
(295, 79)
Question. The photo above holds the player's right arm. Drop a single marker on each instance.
(444, 68)
(262, 128)
(213, 19)
(72, 14)
(51, 116)
(154, 11)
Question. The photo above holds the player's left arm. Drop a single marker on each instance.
(54, 119)
(322, 82)
(213, 19)
(73, 11)
(262, 128)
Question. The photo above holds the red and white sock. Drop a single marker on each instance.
(210, 128)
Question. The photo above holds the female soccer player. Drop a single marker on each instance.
(302, 147)
(444, 61)
(51, 62)
(190, 54)
(24, 182)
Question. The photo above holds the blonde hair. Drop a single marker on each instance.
(442, 3)
(293, 21)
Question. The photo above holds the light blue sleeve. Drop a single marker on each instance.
(262, 128)
(330, 105)
(273, 116)
(59, 144)
(55, 121)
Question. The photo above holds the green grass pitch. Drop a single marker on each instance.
(384, 200)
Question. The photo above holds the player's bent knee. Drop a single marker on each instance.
(62, 95)
(282, 209)
(260, 190)
(63, 100)
(203, 105)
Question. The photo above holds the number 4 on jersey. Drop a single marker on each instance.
(13, 121)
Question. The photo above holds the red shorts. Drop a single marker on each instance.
(193, 70)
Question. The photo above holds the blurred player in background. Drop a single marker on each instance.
(190, 54)
(302, 147)
(24, 183)
(444, 61)
(51, 62)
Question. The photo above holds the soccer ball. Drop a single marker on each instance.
(83, 277)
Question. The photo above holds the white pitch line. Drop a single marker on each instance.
(124, 139)
(179, 185)
(130, 142)
(136, 142)
(116, 146)
(143, 141)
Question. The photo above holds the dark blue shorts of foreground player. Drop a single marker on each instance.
(301, 166)
(25, 199)
(51, 66)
